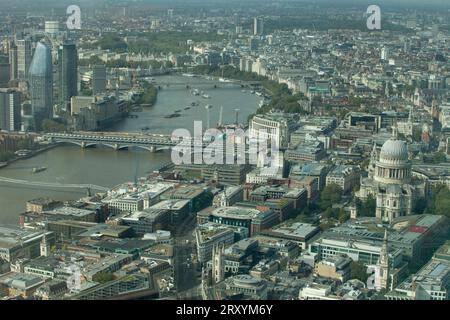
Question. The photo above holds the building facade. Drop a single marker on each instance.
(389, 180)
(67, 72)
(41, 84)
(10, 119)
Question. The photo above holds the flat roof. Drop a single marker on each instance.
(341, 170)
(149, 213)
(210, 230)
(124, 244)
(298, 229)
(172, 204)
(11, 236)
(237, 212)
(20, 280)
(71, 211)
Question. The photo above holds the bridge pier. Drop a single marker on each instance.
(152, 149)
(83, 145)
(116, 147)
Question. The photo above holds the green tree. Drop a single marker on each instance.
(366, 208)
(149, 95)
(103, 277)
(442, 202)
(417, 135)
(326, 225)
(6, 155)
(328, 213)
(343, 216)
(49, 125)
(420, 205)
(358, 271)
(330, 195)
(439, 157)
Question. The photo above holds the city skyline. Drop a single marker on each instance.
(225, 150)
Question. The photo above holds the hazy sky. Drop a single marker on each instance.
(445, 4)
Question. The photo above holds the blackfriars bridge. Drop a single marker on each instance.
(122, 140)
(52, 185)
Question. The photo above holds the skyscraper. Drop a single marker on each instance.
(9, 109)
(13, 61)
(4, 74)
(99, 79)
(67, 72)
(41, 84)
(52, 28)
(258, 26)
(23, 58)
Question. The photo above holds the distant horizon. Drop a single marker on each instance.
(387, 3)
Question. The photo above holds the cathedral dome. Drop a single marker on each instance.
(394, 150)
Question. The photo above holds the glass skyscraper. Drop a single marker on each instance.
(41, 84)
(67, 72)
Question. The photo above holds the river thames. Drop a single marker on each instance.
(107, 167)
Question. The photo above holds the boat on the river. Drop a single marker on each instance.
(206, 96)
(261, 103)
(38, 169)
(173, 115)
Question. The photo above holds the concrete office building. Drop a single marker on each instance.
(432, 282)
(252, 219)
(10, 110)
(16, 243)
(209, 235)
(24, 55)
(346, 177)
(13, 61)
(98, 79)
(276, 127)
(51, 28)
(258, 26)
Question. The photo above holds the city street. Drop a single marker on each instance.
(186, 279)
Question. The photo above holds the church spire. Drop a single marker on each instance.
(374, 154)
(395, 131)
(373, 161)
(410, 116)
(383, 264)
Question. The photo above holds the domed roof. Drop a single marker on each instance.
(394, 150)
